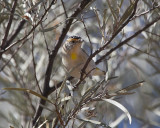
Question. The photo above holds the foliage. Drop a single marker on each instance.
(36, 91)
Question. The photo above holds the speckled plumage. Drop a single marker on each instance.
(74, 58)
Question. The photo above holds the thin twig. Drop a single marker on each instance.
(155, 34)
(34, 65)
(84, 100)
(143, 51)
(91, 47)
(148, 11)
(127, 40)
(112, 11)
(34, 27)
(99, 23)
(59, 116)
(20, 82)
(53, 54)
(4, 43)
(19, 28)
(107, 43)
(6, 63)
(48, 50)
(65, 12)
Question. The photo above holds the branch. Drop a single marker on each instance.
(19, 28)
(65, 12)
(107, 43)
(46, 89)
(148, 11)
(127, 40)
(34, 64)
(34, 27)
(52, 89)
(4, 43)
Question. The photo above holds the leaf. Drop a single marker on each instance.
(82, 125)
(66, 98)
(117, 121)
(130, 87)
(127, 13)
(120, 106)
(112, 10)
(120, 5)
(106, 76)
(94, 122)
(40, 126)
(52, 28)
(28, 91)
(34, 6)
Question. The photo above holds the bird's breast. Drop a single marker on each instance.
(73, 56)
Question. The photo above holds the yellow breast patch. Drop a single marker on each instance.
(73, 56)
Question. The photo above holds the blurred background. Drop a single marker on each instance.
(26, 57)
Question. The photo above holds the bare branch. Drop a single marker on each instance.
(128, 39)
(19, 28)
(106, 44)
(4, 43)
(34, 65)
(34, 27)
(53, 54)
(85, 28)
(65, 12)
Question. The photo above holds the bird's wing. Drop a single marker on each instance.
(85, 56)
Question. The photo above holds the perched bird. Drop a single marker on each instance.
(74, 58)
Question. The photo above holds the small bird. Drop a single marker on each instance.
(74, 58)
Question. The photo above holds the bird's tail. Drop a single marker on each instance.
(98, 72)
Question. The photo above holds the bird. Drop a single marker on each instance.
(74, 59)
